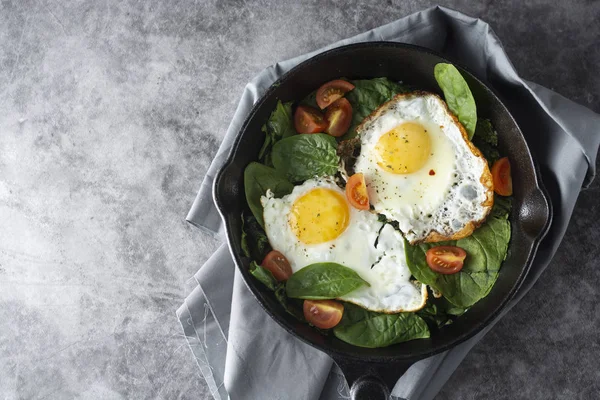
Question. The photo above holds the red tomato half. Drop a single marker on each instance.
(501, 177)
(339, 117)
(309, 120)
(331, 91)
(278, 265)
(446, 259)
(356, 192)
(323, 314)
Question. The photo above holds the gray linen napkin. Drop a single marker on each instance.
(243, 354)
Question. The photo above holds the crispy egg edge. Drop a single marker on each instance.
(424, 297)
(485, 179)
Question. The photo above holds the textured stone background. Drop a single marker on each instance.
(110, 113)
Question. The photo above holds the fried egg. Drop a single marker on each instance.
(315, 223)
(421, 169)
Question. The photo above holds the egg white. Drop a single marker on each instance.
(382, 265)
(446, 193)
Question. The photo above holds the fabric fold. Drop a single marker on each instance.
(244, 354)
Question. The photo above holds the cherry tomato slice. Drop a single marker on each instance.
(331, 91)
(309, 120)
(278, 265)
(446, 259)
(323, 314)
(501, 177)
(339, 117)
(356, 192)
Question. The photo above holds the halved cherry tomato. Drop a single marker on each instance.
(323, 314)
(501, 177)
(339, 117)
(331, 91)
(278, 265)
(356, 192)
(309, 120)
(446, 259)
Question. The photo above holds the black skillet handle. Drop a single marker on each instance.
(371, 381)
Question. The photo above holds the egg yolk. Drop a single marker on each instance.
(404, 149)
(319, 216)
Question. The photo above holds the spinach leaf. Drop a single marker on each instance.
(281, 122)
(263, 275)
(502, 207)
(291, 306)
(434, 316)
(311, 100)
(486, 249)
(451, 309)
(364, 328)
(264, 155)
(255, 243)
(321, 281)
(244, 240)
(486, 133)
(486, 140)
(280, 125)
(258, 179)
(458, 95)
(367, 96)
(439, 312)
(301, 157)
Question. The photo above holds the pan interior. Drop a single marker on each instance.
(413, 66)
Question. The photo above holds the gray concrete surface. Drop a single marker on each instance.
(110, 113)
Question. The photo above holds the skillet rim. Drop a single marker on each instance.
(537, 186)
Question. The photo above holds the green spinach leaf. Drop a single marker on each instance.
(434, 316)
(280, 125)
(264, 155)
(439, 312)
(363, 328)
(486, 249)
(502, 207)
(367, 96)
(323, 281)
(486, 140)
(291, 306)
(263, 275)
(301, 157)
(281, 122)
(486, 133)
(458, 95)
(258, 179)
(451, 309)
(244, 240)
(255, 243)
(311, 100)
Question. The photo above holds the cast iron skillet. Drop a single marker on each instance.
(372, 372)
